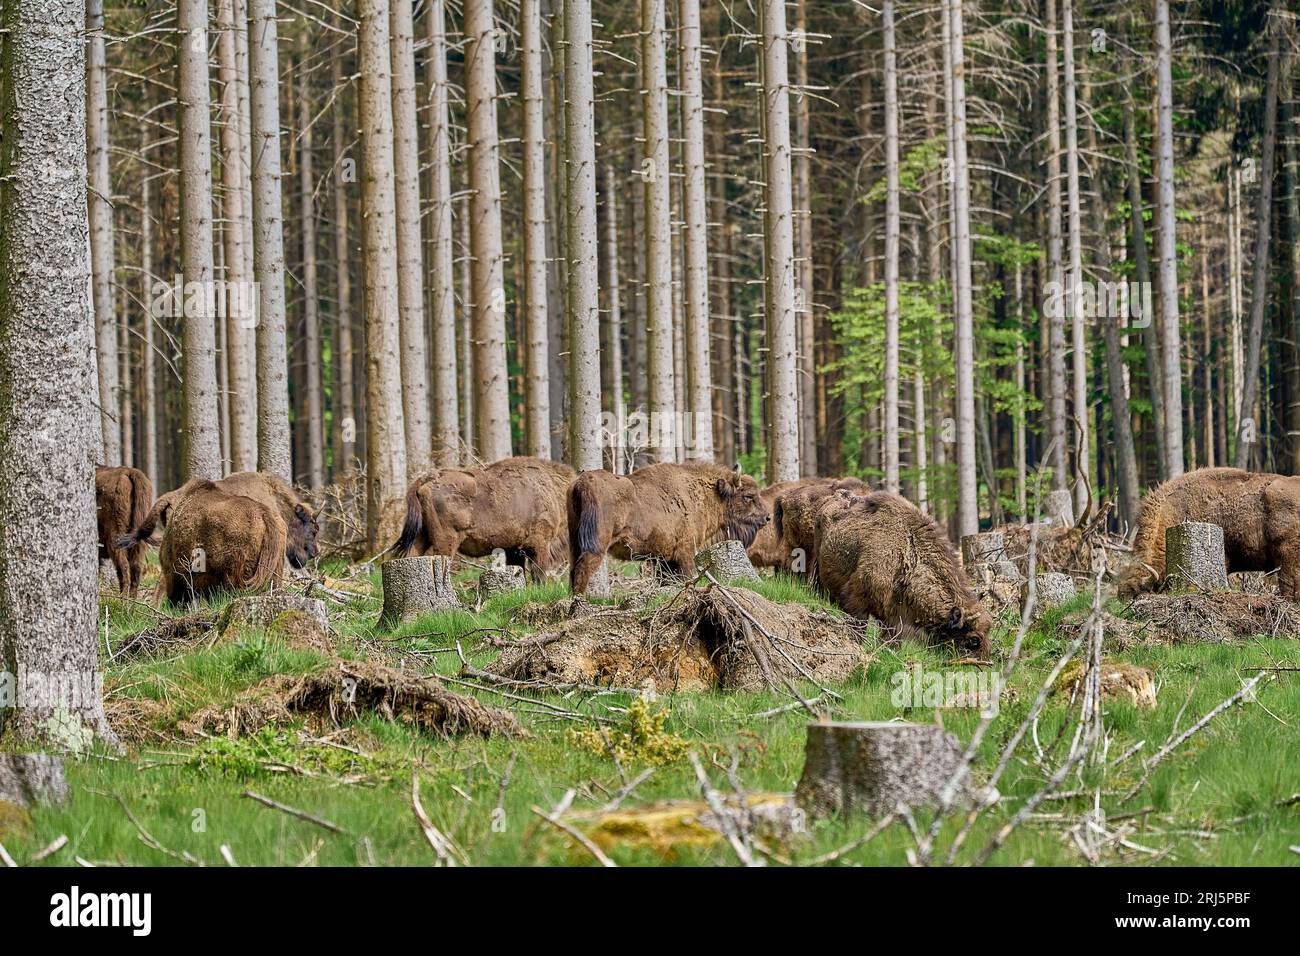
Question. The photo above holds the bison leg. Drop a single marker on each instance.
(1288, 577)
(584, 569)
(120, 565)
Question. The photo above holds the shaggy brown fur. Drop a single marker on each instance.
(516, 505)
(216, 540)
(663, 511)
(768, 550)
(879, 555)
(794, 519)
(122, 499)
(1258, 512)
(274, 492)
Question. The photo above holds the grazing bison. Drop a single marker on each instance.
(663, 511)
(878, 555)
(794, 518)
(216, 541)
(1258, 512)
(515, 505)
(122, 499)
(300, 522)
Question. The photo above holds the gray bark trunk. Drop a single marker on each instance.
(537, 397)
(310, 287)
(101, 231)
(1171, 348)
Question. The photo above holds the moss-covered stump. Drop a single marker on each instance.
(261, 611)
(1118, 681)
(1051, 590)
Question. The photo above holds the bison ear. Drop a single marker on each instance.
(737, 469)
(955, 618)
(725, 489)
(303, 512)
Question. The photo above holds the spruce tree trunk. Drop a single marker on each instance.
(48, 388)
(149, 407)
(410, 255)
(1170, 332)
(892, 226)
(537, 397)
(783, 426)
(199, 334)
(810, 436)
(491, 389)
(385, 438)
(315, 437)
(611, 355)
(273, 442)
(344, 392)
(583, 275)
(1056, 417)
(101, 231)
(442, 274)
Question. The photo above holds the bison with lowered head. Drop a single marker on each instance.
(216, 541)
(664, 511)
(794, 519)
(515, 505)
(878, 555)
(1258, 512)
(272, 491)
(122, 499)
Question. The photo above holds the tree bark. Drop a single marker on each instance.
(778, 253)
(809, 435)
(199, 334)
(1056, 417)
(612, 334)
(892, 227)
(344, 392)
(491, 391)
(410, 255)
(385, 439)
(315, 437)
(537, 394)
(1074, 288)
(1172, 350)
(273, 441)
(149, 405)
(101, 231)
(48, 387)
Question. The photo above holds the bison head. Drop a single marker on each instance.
(300, 545)
(743, 510)
(967, 628)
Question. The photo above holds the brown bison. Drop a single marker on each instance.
(794, 518)
(515, 505)
(878, 555)
(1258, 512)
(122, 499)
(218, 541)
(299, 519)
(664, 511)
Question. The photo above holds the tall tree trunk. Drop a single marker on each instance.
(199, 334)
(658, 235)
(101, 232)
(491, 391)
(442, 275)
(49, 442)
(1170, 347)
(1293, 240)
(892, 226)
(778, 253)
(580, 218)
(273, 440)
(466, 335)
(557, 289)
(1074, 289)
(315, 437)
(612, 334)
(967, 502)
(344, 392)
(1259, 273)
(1059, 432)
(724, 381)
(695, 259)
(410, 255)
(385, 436)
(809, 436)
(149, 404)
(537, 395)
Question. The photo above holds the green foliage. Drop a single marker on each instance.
(640, 738)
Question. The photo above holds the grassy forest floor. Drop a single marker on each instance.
(1228, 795)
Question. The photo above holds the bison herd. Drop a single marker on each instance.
(872, 552)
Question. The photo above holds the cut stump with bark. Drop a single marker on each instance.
(729, 561)
(494, 581)
(1052, 589)
(874, 767)
(599, 585)
(1058, 509)
(30, 779)
(1194, 557)
(984, 556)
(261, 610)
(415, 586)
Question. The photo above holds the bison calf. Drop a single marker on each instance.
(664, 511)
(878, 555)
(515, 505)
(219, 541)
(1258, 512)
(122, 500)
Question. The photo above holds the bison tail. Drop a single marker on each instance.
(142, 527)
(141, 500)
(413, 527)
(583, 509)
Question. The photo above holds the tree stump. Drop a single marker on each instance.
(1052, 589)
(494, 581)
(29, 779)
(729, 561)
(1058, 509)
(984, 556)
(415, 586)
(1194, 557)
(873, 767)
(260, 610)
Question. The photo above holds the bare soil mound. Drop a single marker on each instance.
(1217, 617)
(726, 638)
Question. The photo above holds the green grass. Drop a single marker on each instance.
(1218, 799)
